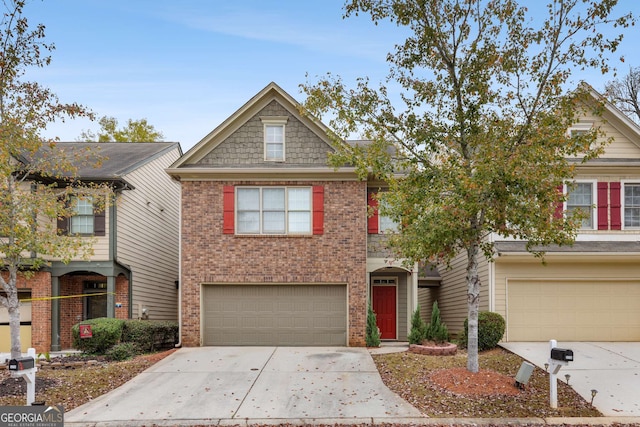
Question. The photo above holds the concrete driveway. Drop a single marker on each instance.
(215, 384)
(613, 369)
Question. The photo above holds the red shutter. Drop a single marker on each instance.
(560, 206)
(228, 208)
(603, 206)
(318, 209)
(372, 222)
(616, 217)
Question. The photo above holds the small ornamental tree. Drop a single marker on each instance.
(418, 328)
(372, 337)
(436, 330)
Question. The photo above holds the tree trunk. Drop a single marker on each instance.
(14, 322)
(473, 305)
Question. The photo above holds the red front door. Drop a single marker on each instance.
(384, 305)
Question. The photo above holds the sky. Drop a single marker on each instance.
(187, 65)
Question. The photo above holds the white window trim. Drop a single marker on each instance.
(275, 121)
(623, 183)
(594, 201)
(581, 126)
(286, 211)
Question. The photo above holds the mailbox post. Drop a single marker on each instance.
(558, 358)
(26, 368)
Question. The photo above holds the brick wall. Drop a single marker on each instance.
(337, 256)
(71, 309)
(40, 287)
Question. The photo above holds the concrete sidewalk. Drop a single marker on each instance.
(613, 369)
(236, 384)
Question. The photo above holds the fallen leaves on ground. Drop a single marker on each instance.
(441, 386)
(73, 387)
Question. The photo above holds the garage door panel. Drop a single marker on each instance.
(274, 315)
(573, 311)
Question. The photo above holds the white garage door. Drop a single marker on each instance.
(285, 315)
(573, 311)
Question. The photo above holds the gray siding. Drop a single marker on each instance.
(245, 146)
(148, 237)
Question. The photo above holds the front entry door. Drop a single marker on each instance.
(384, 305)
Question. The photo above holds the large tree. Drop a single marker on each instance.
(31, 197)
(477, 144)
(624, 93)
(134, 131)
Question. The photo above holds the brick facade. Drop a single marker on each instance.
(336, 256)
(71, 309)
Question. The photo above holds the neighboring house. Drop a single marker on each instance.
(586, 292)
(133, 272)
(276, 245)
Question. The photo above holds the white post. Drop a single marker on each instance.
(553, 381)
(30, 378)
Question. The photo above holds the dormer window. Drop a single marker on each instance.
(274, 138)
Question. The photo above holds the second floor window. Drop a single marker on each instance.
(581, 199)
(632, 205)
(274, 210)
(387, 224)
(274, 142)
(83, 219)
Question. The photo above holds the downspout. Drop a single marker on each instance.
(180, 284)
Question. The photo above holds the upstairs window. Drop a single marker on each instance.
(581, 199)
(274, 138)
(387, 224)
(85, 221)
(274, 210)
(82, 220)
(632, 205)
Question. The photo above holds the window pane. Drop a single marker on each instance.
(274, 142)
(248, 199)
(632, 205)
(84, 206)
(275, 134)
(273, 199)
(82, 224)
(581, 199)
(273, 222)
(299, 199)
(248, 222)
(299, 222)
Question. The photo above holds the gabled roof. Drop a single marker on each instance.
(616, 117)
(116, 159)
(271, 92)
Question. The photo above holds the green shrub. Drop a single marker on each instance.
(372, 336)
(122, 351)
(106, 333)
(491, 327)
(418, 328)
(150, 335)
(436, 330)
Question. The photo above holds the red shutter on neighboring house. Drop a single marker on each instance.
(603, 205)
(616, 217)
(372, 222)
(318, 209)
(228, 208)
(560, 206)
